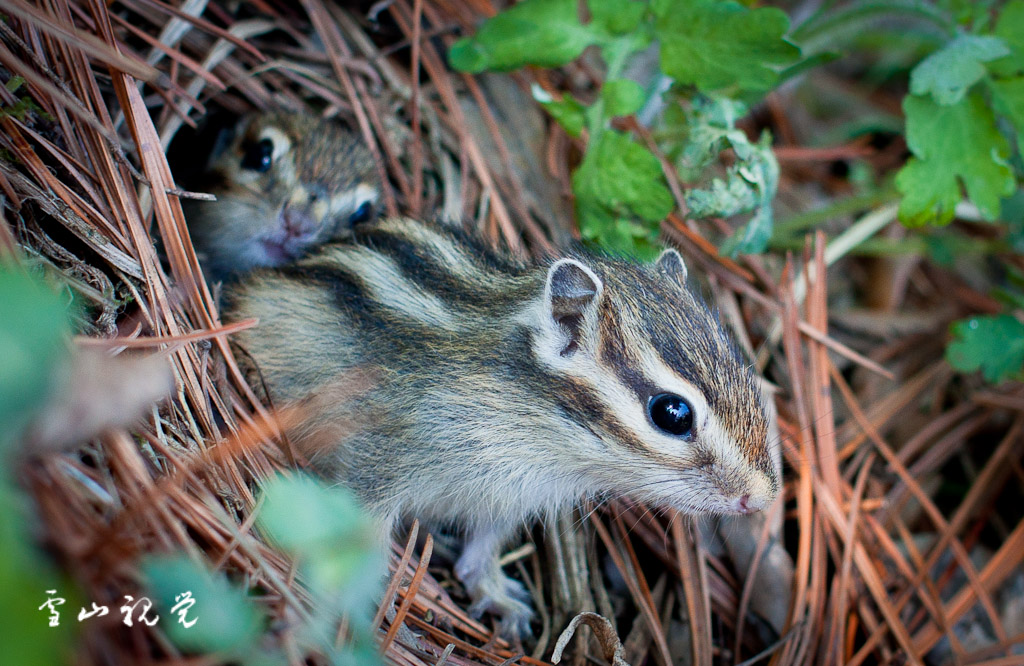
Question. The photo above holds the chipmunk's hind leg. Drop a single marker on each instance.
(490, 589)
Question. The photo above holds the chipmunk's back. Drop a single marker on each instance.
(401, 292)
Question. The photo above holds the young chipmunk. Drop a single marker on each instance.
(504, 392)
(286, 184)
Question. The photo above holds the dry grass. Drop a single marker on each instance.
(87, 187)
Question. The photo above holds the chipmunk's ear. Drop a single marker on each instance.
(671, 263)
(571, 296)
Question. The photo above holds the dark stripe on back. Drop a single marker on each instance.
(351, 298)
(422, 268)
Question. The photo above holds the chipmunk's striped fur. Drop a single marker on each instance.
(503, 391)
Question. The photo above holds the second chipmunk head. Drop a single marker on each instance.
(287, 183)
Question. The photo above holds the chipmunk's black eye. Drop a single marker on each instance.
(258, 155)
(362, 213)
(671, 413)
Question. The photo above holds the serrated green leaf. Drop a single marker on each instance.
(623, 237)
(724, 198)
(952, 144)
(760, 169)
(709, 126)
(1008, 96)
(949, 72)
(617, 16)
(223, 617)
(619, 179)
(567, 112)
(718, 45)
(750, 183)
(546, 33)
(1010, 28)
(992, 344)
(622, 97)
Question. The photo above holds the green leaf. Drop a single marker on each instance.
(33, 344)
(33, 341)
(993, 344)
(223, 617)
(716, 45)
(953, 144)
(620, 179)
(943, 249)
(26, 573)
(1013, 214)
(758, 167)
(546, 33)
(709, 126)
(14, 83)
(950, 71)
(622, 97)
(567, 112)
(327, 530)
(724, 198)
(624, 237)
(1008, 97)
(617, 16)
(1010, 28)
(469, 55)
(750, 183)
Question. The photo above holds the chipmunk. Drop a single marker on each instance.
(286, 184)
(506, 391)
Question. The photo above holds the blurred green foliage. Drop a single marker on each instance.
(34, 333)
(226, 622)
(335, 544)
(322, 527)
(328, 534)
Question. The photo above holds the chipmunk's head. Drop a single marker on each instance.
(675, 416)
(286, 183)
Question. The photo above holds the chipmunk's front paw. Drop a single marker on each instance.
(491, 590)
(506, 598)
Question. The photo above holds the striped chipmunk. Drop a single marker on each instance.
(286, 183)
(503, 392)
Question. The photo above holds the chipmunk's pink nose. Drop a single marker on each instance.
(743, 505)
(297, 222)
